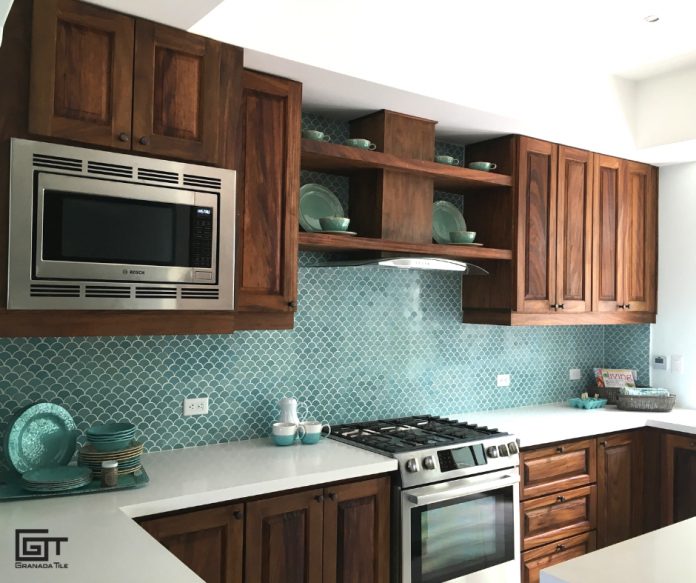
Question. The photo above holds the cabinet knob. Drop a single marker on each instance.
(623, 306)
(603, 443)
(332, 495)
(554, 306)
(560, 548)
(319, 498)
(692, 444)
(561, 306)
(124, 137)
(237, 514)
(559, 449)
(144, 140)
(560, 498)
(292, 304)
(627, 306)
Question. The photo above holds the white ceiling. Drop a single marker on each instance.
(572, 72)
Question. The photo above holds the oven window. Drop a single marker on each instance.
(457, 537)
(103, 229)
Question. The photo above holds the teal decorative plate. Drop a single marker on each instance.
(111, 430)
(56, 479)
(446, 218)
(316, 202)
(40, 436)
(350, 233)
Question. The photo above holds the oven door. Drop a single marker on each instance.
(466, 530)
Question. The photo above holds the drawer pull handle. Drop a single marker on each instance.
(560, 548)
(559, 450)
(560, 498)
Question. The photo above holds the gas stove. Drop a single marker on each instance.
(431, 449)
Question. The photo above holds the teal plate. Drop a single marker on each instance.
(316, 202)
(40, 436)
(446, 218)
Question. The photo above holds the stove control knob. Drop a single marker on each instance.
(429, 463)
(503, 450)
(512, 448)
(492, 451)
(412, 465)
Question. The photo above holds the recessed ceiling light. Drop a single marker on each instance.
(651, 18)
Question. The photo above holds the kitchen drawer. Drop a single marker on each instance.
(563, 550)
(558, 468)
(551, 518)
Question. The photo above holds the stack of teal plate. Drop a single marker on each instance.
(129, 458)
(111, 436)
(57, 479)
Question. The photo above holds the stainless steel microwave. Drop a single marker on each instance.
(104, 231)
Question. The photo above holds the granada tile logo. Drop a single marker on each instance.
(35, 549)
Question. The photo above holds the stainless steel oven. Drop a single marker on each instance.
(465, 530)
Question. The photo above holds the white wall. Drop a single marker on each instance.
(4, 11)
(675, 329)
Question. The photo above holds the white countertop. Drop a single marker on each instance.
(662, 556)
(106, 545)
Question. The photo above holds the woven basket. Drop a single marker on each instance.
(611, 394)
(655, 404)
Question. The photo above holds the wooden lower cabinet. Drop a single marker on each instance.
(210, 541)
(619, 487)
(679, 475)
(563, 550)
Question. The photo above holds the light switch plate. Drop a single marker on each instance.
(677, 363)
(502, 380)
(574, 374)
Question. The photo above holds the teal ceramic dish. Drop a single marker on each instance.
(117, 445)
(587, 403)
(334, 223)
(316, 202)
(40, 436)
(462, 236)
(316, 135)
(283, 439)
(446, 218)
(110, 430)
(360, 143)
(311, 438)
(485, 166)
(56, 479)
(450, 160)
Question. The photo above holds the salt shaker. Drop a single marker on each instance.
(109, 473)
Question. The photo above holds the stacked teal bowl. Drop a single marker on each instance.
(111, 436)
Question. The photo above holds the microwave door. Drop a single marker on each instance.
(89, 229)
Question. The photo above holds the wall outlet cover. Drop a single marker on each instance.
(503, 380)
(574, 374)
(197, 406)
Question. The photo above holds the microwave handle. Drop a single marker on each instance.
(458, 492)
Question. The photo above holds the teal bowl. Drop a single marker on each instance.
(111, 445)
(283, 439)
(462, 236)
(334, 223)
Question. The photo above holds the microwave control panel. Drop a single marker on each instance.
(201, 236)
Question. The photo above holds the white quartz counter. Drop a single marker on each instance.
(106, 545)
(662, 556)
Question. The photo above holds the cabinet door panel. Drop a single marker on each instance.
(619, 486)
(679, 471)
(176, 102)
(640, 199)
(268, 193)
(564, 550)
(210, 542)
(284, 539)
(536, 255)
(356, 532)
(574, 233)
(608, 243)
(81, 73)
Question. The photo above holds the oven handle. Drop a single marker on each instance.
(449, 494)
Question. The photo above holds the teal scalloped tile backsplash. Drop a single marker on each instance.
(367, 343)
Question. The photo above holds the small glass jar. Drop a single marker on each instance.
(109, 473)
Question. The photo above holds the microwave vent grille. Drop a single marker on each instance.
(202, 181)
(110, 169)
(107, 291)
(155, 292)
(45, 161)
(200, 294)
(158, 176)
(40, 290)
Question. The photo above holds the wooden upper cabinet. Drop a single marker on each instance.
(574, 230)
(640, 232)
(210, 542)
(81, 73)
(176, 95)
(536, 234)
(284, 538)
(356, 532)
(268, 191)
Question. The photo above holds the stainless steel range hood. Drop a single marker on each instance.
(422, 263)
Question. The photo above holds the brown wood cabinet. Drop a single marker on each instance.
(619, 487)
(558, 552)
(105, 78)
(210, 541)
(679, 477)
(268, 194)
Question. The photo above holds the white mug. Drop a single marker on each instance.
(313, 431)
(287, 433)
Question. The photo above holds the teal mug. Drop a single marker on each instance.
(316, 135)
(485, 166)
(451, 160)
(286, 433)
(360, 143)
(313, 431)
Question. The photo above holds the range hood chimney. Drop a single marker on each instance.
(422, 263)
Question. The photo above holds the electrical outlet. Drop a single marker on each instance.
(574, 374)
(503, 380)
(197, 406)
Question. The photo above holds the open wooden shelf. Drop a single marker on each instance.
(328, 242)
(344, 160)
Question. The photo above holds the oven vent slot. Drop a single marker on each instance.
(44, 161)
(109, 169)
(200, 294)
(202, 181)
(107, 291)
(42, 290)
(155, 292)
(158, 176)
